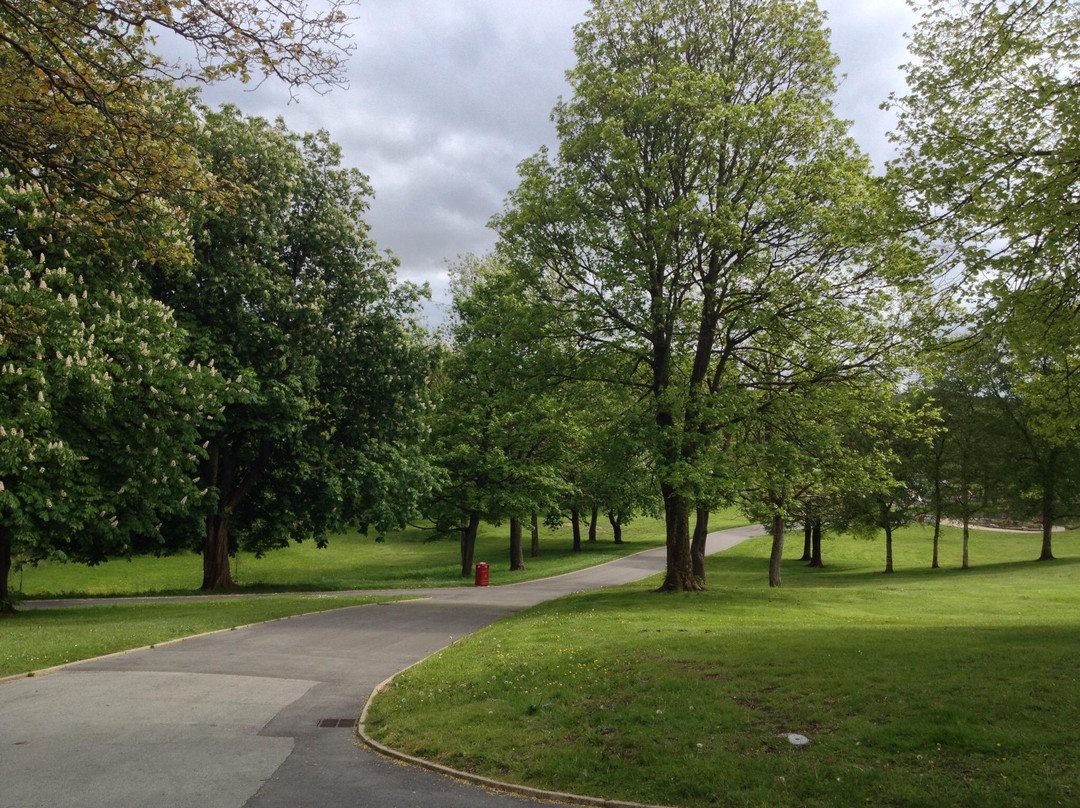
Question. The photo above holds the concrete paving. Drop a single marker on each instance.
(233, 719)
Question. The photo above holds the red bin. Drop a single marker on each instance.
(482, 573)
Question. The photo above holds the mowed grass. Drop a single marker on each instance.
(41, 638)
(405, 559)
(922, 688)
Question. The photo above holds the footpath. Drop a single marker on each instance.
(261, 716)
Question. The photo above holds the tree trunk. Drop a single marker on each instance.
(937, 522)
(815, 542)
(807, 539)
(886, 522)
(517, 558)
(592, 522)
(216, 574)
(1047, 553)
(535, 552)
(697, 544)
(5, 569)
(575, 519)
(777, 554)
(616, 526)
(468, 543)
(1049, 491)
(967, 519)
(220, 471)
(680, 572)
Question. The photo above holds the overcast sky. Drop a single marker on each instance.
(446, 97)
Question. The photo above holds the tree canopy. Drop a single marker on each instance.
(706, 216)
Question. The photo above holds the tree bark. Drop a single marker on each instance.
(967, 520)
(807, 540)
(575, 519)
(220, 470)
(815, 542)
(886, 522)
(517, 558)
(777, 554)
(216, 573)
(5, 569)
(1049, 491)
(937, 522)
(468, 543)
(535, 551)
(697, 544)
(592, 522)
(616, 526)
(680, 571)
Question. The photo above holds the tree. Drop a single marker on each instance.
(814, 453)
(83, 101)
(973, 430)
(988, 135)
(499, 432)
(703, 193)
(988, 132)
(290, 299)
(617, 477)
(895, 433)
(65, 41)
(1033, 461)
(99, 173)
(100, 416)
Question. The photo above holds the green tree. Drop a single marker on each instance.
(703, 193)
(84, 101)
(289, 298)
(1034, 457)
(975, 432)
(499, 432)
(988, 131)
(989, 137)
(99, 174)
(100, 416)
(616, 475)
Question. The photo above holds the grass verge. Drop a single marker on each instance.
(351, 561)
(924, 688)
(41, 638)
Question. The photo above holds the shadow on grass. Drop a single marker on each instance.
(846, 574)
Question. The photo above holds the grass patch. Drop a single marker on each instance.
(923, 688)
(41, 638)
(406, 559)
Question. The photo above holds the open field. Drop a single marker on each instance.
(924, 688)
(351, 561)
(42, 638)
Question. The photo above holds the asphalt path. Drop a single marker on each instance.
(238, 718)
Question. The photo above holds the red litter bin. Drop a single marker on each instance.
(482, 573)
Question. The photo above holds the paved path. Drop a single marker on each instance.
(231, 719)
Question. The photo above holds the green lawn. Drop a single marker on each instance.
(351, 561)
(923, 688)
(41, 638)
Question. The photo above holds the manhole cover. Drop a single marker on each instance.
(328, 723)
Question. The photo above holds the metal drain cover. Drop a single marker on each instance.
(329, 723)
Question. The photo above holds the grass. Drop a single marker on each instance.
(351, 561)
(41, 638)
(923, 688)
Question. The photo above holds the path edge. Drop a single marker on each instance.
(540, 794)
(16, 677)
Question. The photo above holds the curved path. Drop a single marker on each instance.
(233, 719)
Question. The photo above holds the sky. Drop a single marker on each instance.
(446, 97)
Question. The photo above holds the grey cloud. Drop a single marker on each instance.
(446, 98)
